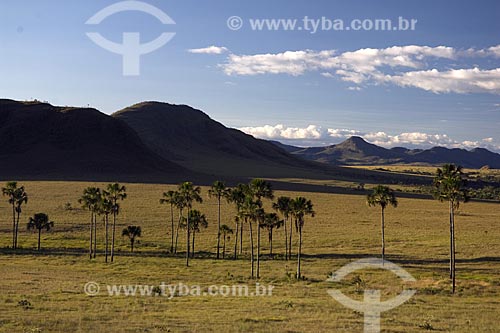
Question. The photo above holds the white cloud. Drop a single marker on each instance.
(456, 80)
(210, 50)
(405, 66)
(284, 132)
(290, 62)
(314, 135)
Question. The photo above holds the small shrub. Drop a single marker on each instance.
(25, 304)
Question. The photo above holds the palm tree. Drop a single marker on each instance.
(38, 222)
(90, 200)
(105, 209)
(282, 205)
(218, 191)
(180, 204)
(271, 221)
(196, 220)
(16, 197)
(249, 212)
(237, 196)
(225, 231)
(21, 197)
(170, 197)
(132, 232)
(449, 185)
(300, 208)
(382, 196)
(189, 193)
(260, 188)
(115, 193)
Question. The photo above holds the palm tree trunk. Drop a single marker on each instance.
(271, 242)
(299, 252)
(113, 237)
(177, 232)
(236, 242)
(192, 247)
(451, 239)
(258, 250)
(17, 226)
(241, 238)
(251, 245)
(290, 240)
(453, 248)
(39, 235)
(107, 237)
(91, 233)
(132, 244)
(13, 226)
(172, 229)
(224, 248)
(383, 236)
(218, 230)
(286, 239)
(95, 235)
(187, 239)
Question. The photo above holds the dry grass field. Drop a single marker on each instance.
(344, 229)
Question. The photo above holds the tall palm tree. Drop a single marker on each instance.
(170, 197)
(382, 196)
(105, 209)
(260, 188)
(249, 213)
(38, 222)
(271, 221)
(115, 192)
(237, 196)
(90, 200)
(282, 205)
(300, 208)
(180, 203)
(16, 197)
(196, 220)
(189, 194)
(21, 197)
(218, 190)
(132, 232)
(449, 185)
(225, 231)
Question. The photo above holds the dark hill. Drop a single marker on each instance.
(192, 139)
(39, 140)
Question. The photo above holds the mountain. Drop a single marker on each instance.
(356, 151)
(192, 139)
(42, 141)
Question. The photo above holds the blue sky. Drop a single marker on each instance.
(295, 86)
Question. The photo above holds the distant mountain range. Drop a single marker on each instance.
(356, 151)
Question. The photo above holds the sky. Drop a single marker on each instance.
(296, 79)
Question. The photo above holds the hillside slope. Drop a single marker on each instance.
(192, 139)
(39, 140)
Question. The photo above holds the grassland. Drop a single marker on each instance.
(343, 230)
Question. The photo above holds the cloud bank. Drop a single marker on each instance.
(403, 66)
